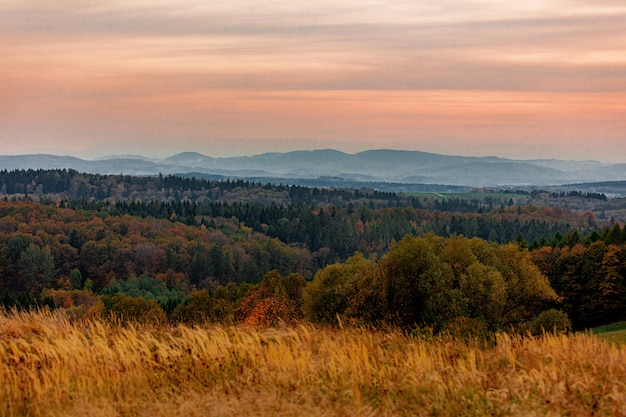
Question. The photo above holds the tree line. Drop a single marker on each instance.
(181, 248)
(70, 184)
(69, 253)
(341, 231)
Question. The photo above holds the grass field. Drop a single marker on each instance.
(50, 366)
(615, 332)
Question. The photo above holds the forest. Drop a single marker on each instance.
(174, 249)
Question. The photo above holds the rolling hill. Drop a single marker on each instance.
(370, 166)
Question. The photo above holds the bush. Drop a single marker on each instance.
(550, 321)
(131, 309)
(268, 312)
(276, 299)
(76, 303)
(202, 307)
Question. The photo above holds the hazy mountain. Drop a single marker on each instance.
(369, 166)
(43, 161)
(140, 157)
(499, 173)
(189, 159)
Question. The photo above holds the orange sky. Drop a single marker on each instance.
(542, 79)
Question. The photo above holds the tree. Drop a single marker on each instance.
(612, 297)
(324, 298)
(417, 285)
(36, 267)
(352, 290)
(592, 276)
(528, 290)
(133, 309)
(546, 258)
(95, 263)
(551, 320)
(365, 299)
(568, 272)
(275, 299)
(456, 252)
(202, 308)
(484, 294)
(76, 278)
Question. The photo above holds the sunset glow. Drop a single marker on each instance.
(534, 79)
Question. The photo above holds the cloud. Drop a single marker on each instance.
(333, 70)
(338, 45)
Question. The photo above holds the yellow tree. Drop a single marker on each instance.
(528, 291)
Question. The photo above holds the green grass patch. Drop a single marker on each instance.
(608, 328)
(613, 333)
(618, 337)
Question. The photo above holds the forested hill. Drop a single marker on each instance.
(76, 254)
(336, 221)
(71, 184)
(165, 237)
(392, 166)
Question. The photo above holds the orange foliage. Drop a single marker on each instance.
(269, 312)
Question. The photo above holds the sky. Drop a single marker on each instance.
(517, 79)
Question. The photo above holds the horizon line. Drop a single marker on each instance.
(62, 154)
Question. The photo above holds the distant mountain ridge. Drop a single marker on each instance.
(393, 166)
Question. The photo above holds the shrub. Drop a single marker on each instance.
(276, 299)
(550, 321)
(131, 309)
(202, 307)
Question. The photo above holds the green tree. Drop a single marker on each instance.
(352, 290)
(201, 307)
(551, 320)
(36, 267)
(325, 298)
(76, 278)
(456, 251)
(417, 285)
(133, 309)
(528, 290)
(365, 299)
(484, 294)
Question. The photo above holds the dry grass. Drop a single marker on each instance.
(52, 367)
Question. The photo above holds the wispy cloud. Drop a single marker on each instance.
(71, 69)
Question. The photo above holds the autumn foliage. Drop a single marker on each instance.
(219, 269)
(432, 282)
(277, 299)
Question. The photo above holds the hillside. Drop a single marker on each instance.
(386, 166)
(165, 237)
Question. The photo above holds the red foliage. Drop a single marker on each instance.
(269, 312)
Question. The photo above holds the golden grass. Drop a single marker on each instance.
(52, 367)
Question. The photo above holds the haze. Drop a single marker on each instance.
(532, 79)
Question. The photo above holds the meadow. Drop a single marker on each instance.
(52, 366)
(614, 332)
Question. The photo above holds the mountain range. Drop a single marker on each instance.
(388, 166)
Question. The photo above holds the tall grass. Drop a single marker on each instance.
(50, 366)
